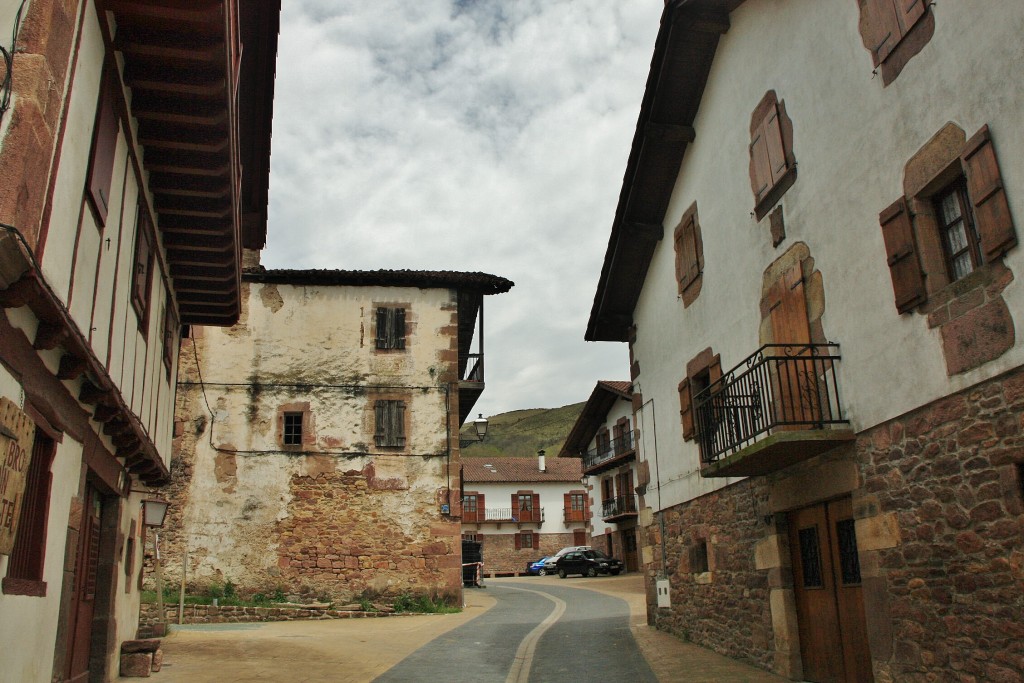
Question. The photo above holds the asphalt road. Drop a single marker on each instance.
(534, 633)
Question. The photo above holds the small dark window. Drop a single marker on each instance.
(143, 270)
(810, 557)
(390, 328)
(848, 558)
(699, 557)
(579, 501)
(170, 324)
(104, 143)
(292, 435)
(960, 238)
(527, 540)
(390, 424)
(525, 502)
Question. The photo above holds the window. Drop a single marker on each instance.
(886, 25)
(142, 272)
(169, 325)
(292, 434)
(699, 557)
(967, 218)
(526, 539)
(604, 441)
(956, 227)
(689, 250)
(25, 566)
(526, 506)
(575, 503)
(704, 369)
(473, 507)
(772, 164)
(390, 424)
(104, 143)
(390, 328)
(607, 489)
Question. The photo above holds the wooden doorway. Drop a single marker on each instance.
(84, 595)
(629, 550)
(827, 586)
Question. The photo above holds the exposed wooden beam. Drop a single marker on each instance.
(669, 132)
(49, 336)
(71, 366)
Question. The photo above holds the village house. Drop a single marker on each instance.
(604, 439)
(522, 509)
(135, 147)
(815, 264)
(317, 440)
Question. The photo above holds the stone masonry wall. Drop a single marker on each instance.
(951, 581)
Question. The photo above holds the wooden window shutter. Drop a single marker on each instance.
(399, 423)
(686, 409)
(382, 327)
(536, 507)
(380, 411)
(687, 258)
(481, 508)
(908, 13)
(773, 141)
(762, 180)
(141, 277)
(788, 308)
(104, 144)
(988, 196)
(398, 329)
(901, 255)
(567, 502)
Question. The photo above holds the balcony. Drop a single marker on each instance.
(471, 382)
(778, 407)
(502, 515)
(614, 453)
(618, 508)
(575, 516)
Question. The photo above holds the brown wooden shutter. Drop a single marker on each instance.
(536, 516)
(104, 144)
(787, 304)
(567, 503)
(399, 423)
(143, 265)
(901, 255)
(879, 27)
(762, 176)
(399, 328)
(382, 327)
(908, 12)
(686, 409)
(988, 196)
(380, 411)
(687, 258)
(776, 150)
(481, 508)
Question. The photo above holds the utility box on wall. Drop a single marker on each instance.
(664, 599)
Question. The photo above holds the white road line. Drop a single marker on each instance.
(520, 671)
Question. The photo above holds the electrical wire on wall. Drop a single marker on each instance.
(8, 57)
(280, 451)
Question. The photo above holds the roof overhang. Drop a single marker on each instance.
(683, 53)
(201, 75)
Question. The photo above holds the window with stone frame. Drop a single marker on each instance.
(292, 431)
(689, 253)
(26, 561)
(701, 372)
(954, 222)
(575, 504)
(390, 328)
(894, 31)
(772, 162)
(526, 506)
(389, 429)
(294, 426)
(699, 556)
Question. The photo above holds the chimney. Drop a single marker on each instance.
(540, 461)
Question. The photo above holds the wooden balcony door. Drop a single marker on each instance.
(629, 556)
(829, 602)
(796, 384)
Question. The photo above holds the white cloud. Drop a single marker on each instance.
(470, 135)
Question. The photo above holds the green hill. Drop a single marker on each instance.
(521, 433)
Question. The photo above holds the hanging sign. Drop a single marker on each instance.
(16, 434)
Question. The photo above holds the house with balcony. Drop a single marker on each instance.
(318, 438)
(135, 146)
(815, 265)
(521, 509)
(604, 439)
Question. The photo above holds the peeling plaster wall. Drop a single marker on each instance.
(335, 516)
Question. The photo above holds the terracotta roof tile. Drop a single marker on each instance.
(520, 469)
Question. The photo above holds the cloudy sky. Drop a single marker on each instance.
(474, 135)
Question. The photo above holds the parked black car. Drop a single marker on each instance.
(587, 563)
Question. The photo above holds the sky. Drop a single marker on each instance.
(468, 135)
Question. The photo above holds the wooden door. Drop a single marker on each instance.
(796, 387)
(827, 585)
(84, 595)
(629, 550)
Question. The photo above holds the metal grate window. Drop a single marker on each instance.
(810, 557)
(292, 435)
(848, 559)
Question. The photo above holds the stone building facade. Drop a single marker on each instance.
(834, 324)
(316, 442)
(520, 509)
(104, 253)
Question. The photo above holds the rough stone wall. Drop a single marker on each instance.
(725, 607)
(501, 556)
(951, 580)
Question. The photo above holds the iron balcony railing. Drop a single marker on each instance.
(779, 387)
(618, 506)
(613, 449)
(503, 515)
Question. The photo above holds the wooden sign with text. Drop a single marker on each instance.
(16, 433)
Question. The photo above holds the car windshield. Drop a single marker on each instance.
(597, 555)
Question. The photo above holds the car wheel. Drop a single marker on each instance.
(591, 571)
(542, 572)
(561, 573)
(615, 572)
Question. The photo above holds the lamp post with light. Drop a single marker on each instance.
(154, 511)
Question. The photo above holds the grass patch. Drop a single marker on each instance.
(425, 604)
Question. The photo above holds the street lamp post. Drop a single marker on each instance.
(154, 511)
